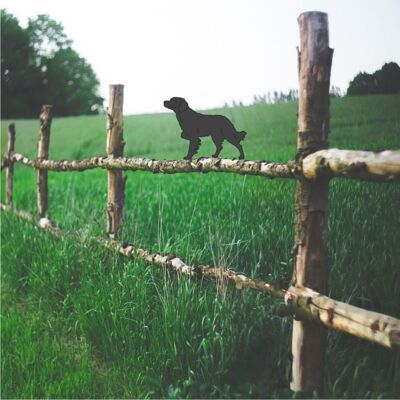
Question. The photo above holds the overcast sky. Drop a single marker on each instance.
(214, 51)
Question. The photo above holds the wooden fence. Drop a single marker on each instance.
(313, 167)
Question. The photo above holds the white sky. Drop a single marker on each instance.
(212, 51)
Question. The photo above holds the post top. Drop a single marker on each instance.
(318, 19)
(313, 14)
(116, 90)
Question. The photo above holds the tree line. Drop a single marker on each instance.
(39, 66)
(281, 97)
(383, 81)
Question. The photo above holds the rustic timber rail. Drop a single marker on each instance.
(313, 168)
(304, 303)
(363, 165)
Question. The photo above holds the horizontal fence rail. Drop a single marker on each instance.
(381, 166)
(261, 168)
(303, 303)
(369, 325)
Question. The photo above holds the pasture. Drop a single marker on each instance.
(78, 321)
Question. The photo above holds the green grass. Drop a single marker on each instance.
(79, 322)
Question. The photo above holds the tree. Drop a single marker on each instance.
(17, 68)
(47, 36)
(39, 66)
(363, 84)
(383, 81)
(388, 78)
(71, 84)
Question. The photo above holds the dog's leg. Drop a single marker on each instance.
(237, 144)
(240, 148)
(218, 146)
(194, 145)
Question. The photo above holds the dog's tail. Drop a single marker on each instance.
(241, 135)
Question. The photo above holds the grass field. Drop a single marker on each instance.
(79, 322)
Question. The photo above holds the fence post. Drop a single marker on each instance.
(10, 169)
(115, 148)
(315, 58)
(43, 154)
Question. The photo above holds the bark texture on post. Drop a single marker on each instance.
(43, 154)
(315, 58)
(115, 149)
(10, 169)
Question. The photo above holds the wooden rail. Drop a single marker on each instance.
(382, 166)
(314, 166)
(353, 164)
(260, 168)
(304, 303)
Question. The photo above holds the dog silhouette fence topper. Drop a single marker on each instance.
(314, 166)
(195, 126)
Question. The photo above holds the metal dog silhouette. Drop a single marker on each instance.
(195, 125)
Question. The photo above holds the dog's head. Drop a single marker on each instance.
(177, 104)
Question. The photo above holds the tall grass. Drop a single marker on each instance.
(78, 321)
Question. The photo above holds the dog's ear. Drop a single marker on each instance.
(183, 105)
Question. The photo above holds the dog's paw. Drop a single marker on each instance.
(187, 158)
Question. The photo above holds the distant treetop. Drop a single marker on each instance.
(383, 81)
(39, 66)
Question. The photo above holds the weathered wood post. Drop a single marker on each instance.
(10, 169)
(43, 154)
(115, 148)
(315, 59)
